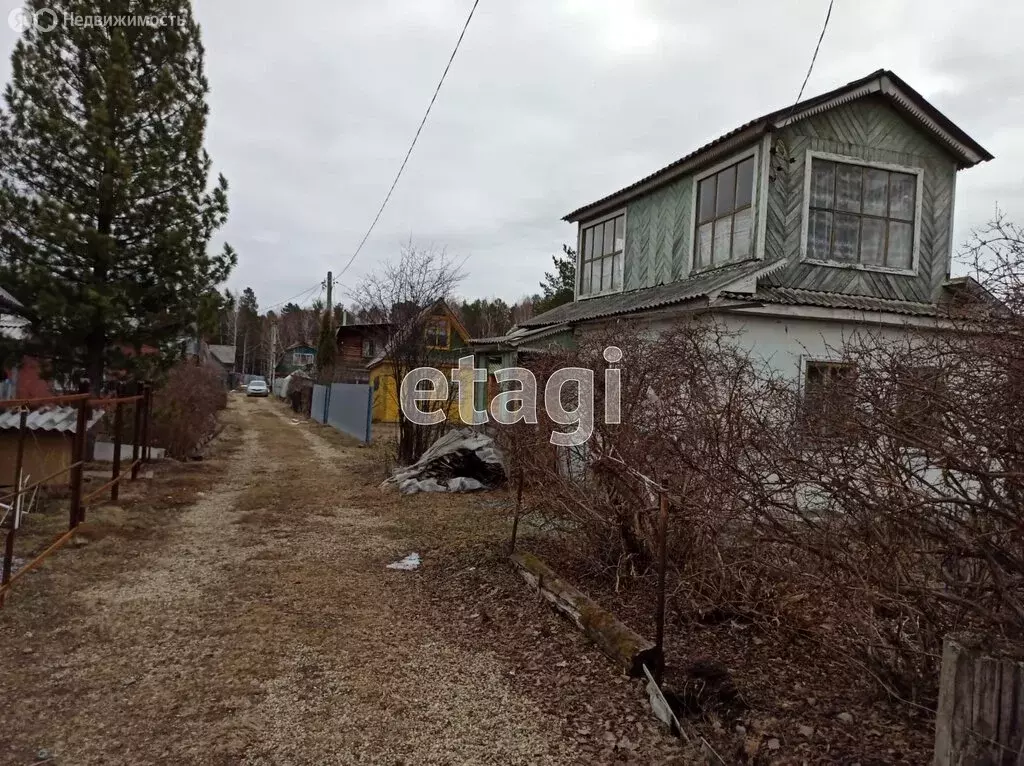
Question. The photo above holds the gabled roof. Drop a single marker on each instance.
(223, 354)
(883, 83)
(739, 277)
(423, 316)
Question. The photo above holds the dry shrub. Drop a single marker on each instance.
(878, 520)
(185, 408)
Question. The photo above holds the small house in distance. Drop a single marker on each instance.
(444, 339)
(358, 344)
(298, 356)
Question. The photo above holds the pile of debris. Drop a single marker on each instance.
(462, 460)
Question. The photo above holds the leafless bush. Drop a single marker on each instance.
(403, 293)
(876, 512)
(185, 407)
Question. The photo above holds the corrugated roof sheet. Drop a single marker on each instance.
(792, 296)
(519, 336)
(749, 131)
(9, 302)
(698, 286)
(13, 327)
(54, 419)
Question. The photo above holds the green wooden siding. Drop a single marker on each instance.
(871, 130)
(659, 229)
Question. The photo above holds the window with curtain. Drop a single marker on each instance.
(601, 249)
(860, 214)
(725, 215)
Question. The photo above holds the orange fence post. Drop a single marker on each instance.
(147, 403)
(16, 504)
(78, 444)
(137, 430)
(116, 472)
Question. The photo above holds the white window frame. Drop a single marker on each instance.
(577, 295)
(759, 194)
(805, 221)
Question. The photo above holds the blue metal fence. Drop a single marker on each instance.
(347, 407)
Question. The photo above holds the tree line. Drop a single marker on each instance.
(235, 319)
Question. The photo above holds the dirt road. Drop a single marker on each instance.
(258, 624)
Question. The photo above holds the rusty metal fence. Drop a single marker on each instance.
(140, 401)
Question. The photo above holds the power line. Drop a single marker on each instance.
(415, 138)
(300, 296)
(814, 58)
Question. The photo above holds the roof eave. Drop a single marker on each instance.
(680, 168)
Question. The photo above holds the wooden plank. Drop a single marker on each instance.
(628, 649)
(980, 715)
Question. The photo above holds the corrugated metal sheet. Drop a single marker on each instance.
(791, 296)
(8, 301)
(519, 336)
(13, 327)
(53, 419)
(698, 286)
(914, 104)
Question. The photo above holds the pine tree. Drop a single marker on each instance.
(105, 208)
(559, 287)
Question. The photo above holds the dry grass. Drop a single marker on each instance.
(258, 625)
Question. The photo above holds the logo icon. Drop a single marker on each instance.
(22, 19)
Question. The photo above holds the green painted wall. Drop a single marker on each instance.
(659, 229)
(872, 130)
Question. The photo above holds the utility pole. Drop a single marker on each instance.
(330, 302)
(234, 342)
(273, 354)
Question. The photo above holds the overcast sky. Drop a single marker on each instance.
(550, 104)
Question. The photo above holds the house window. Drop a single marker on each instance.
(437, 334)
(302, 358)
(725, 215)
(601, 248)
(828, 405)
(860, 214)
(369, 348)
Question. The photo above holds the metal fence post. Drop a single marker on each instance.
(78, 444)
(16, 505)
(136, 431)
(147, 402)
(116, 472)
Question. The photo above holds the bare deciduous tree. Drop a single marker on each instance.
(403, 293)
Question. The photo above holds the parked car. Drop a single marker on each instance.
(257, 388)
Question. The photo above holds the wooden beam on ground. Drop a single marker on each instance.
(628, 649)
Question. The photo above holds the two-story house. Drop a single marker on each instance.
(793, 230)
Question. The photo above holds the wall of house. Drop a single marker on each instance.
(872, 130)
(784, 344)
(659, 229)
